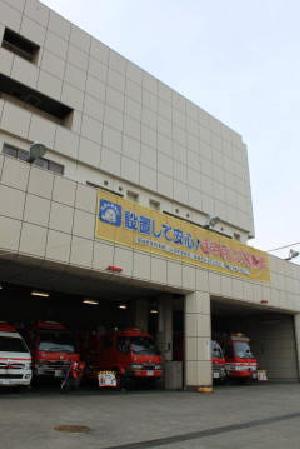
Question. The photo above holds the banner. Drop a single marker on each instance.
(127, 223)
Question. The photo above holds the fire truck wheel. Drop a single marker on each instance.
(119, 380)
(75, 384)
(151, 384)
(22, 389)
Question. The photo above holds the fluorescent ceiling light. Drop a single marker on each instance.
(122, 306)
(37, 293)
(154, 311)
(93, 302)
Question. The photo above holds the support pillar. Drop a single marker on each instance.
(197, 340)
(297, 340)
(165, 326)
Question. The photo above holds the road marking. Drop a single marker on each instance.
(203, 433)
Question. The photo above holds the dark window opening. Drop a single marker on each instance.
(23, 155)
(21, 46)
(35, 99)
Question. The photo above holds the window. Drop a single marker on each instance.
(132, 196)
(56, 168)
(53, 341)
(12, 344)
(35, 100)
(137, 345)
(21, 46)
(10, 151)
(154, 204)
(23, 155)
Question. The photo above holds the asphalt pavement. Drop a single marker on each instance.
(258, 416)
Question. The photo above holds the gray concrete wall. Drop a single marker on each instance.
(273, 340)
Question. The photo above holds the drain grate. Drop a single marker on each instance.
(72, 428)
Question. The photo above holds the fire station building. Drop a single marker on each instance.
(135, 198)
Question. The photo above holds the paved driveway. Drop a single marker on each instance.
(263, 416)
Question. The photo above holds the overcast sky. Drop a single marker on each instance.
(240, 61)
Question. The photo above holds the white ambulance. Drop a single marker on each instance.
(15, 358)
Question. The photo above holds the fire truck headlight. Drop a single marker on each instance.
(158, 367)
(136, 366)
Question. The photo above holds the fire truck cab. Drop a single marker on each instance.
(240, 362)
(130, 353)
(15, 358)
(53, 349)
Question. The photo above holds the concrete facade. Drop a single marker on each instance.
(129, 133)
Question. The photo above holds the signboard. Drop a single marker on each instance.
(107, 379)
(127, 223)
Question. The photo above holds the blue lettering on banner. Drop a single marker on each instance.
(145, 225)
(111, 213)
(131, 221)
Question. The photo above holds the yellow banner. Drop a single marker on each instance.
(127, 223)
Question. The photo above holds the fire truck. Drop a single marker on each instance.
(240, 362)
(54, 353)
(218, 362)
(130, 354)
(15, 358)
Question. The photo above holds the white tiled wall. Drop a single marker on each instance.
(126, 123)
(57, 209)
(53, 218)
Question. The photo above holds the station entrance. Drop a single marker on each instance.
(271, 334)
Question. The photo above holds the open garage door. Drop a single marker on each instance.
(272, 335)
(88, 302)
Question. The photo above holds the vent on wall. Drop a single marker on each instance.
(35, 100)
(132, 196)
(155, 205)
(21, 46)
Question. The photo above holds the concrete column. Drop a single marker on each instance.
(141, 314)
(297, 338)
(197, 340)
(165, 326)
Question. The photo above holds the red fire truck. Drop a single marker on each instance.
(54, 353)
(130, 354)
(240, 362)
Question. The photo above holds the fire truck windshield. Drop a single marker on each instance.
(242, 350)
(138, 345)
(216, 351)
(11, 344)
(56, 342)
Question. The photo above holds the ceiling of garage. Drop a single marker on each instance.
(229, 307)
(65, 279)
